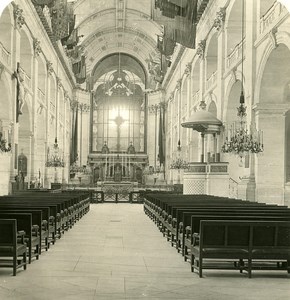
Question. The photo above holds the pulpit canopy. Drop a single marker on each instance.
(203, 121)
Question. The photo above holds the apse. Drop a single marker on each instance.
(118, 116)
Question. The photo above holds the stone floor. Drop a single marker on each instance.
(116, 252)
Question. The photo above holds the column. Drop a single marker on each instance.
(57, 108)
(15, 58)
(202, 158)
(202, 80)
(33, 145)
(218, 147)
(47, 137)
(270, 166)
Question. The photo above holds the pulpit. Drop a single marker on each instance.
(207, 178)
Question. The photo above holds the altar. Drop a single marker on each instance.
(117, 167)
(116, 192)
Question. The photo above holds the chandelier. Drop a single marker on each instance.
(4, 146)
(119, 82)
(179, 164)
(54, 159)
(240, 140)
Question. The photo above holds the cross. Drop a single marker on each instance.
(119, 120)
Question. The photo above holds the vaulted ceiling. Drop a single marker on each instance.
(113, 27)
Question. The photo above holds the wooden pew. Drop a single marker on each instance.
(245, 242)
(24, 223)
(175, 215)
(54, 219)
(186, 217)
(69, 208)
(196, 219)
(12, 245)
(37, 223)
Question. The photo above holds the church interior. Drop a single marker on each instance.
(144, 144)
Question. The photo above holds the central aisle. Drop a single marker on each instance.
(116, 252)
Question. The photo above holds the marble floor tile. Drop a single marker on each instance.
(116, 252)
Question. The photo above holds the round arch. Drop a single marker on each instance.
(233, 25)
(184, 94)
(281, 38)
(26, 51)
(195, 79)
(211, 53)
(131, 63)
(6, 27)
(6, 98)
(233, 80)
(272, 88)
(212, 108)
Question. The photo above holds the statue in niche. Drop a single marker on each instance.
(131, 149)
(20, 90)
(105, 149)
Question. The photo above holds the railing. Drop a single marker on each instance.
(52, 107)
(41, 95)
(271, 16)
(236, 54)
(211, 81)
(61, 118)
(5, 55)
(233, 188)
(195, 98)
(26, 78)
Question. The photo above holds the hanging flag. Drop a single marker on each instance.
(43, 2)
(161, 139)
(182, 27)
(71, 41)
(185, 27)
(72, 141)
(60, 19)
(81, 75)
(181, 3)
(168, 9)
(74, 137)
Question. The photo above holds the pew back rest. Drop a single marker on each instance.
(265, 235)
(196, 218)
(8, 228)
(221, 234)
(271, 235)
(24, 221)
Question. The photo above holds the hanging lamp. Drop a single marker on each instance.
(239, 139)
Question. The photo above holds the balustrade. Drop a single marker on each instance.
(272, 16)
(41, 96)
(5, 55)
(61, 117)
(52, 107)
(211, 82)
(26, 78)
(236, 54)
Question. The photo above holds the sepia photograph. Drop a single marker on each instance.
(145, 149)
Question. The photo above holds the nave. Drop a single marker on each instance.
(116, 252)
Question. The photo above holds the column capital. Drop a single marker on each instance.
(37, 47)
(201, 48)
(188, 68)
(18, 16)
(49, 67)
(220, 19)
(271, 108)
